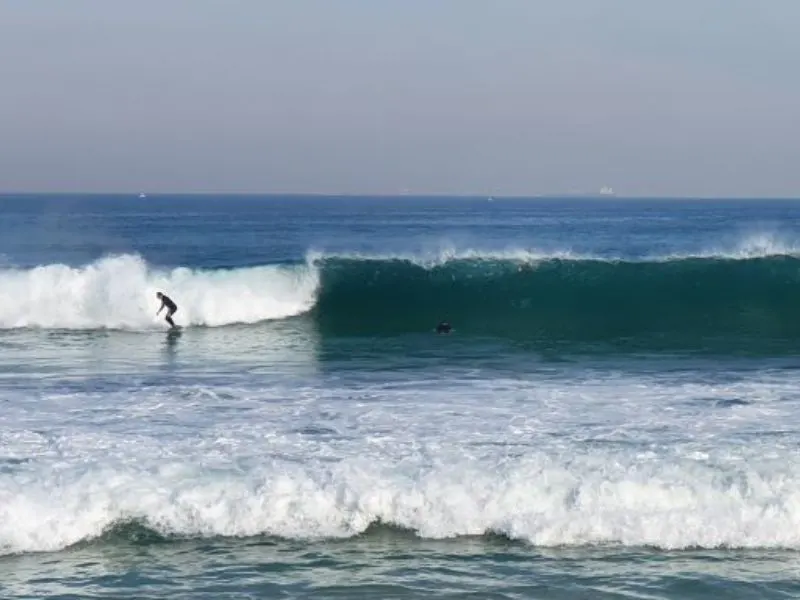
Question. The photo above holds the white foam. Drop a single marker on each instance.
(541, 499)
(756, 245)
(763, 245)
(445, 255)
(628, 461)
(119, 292)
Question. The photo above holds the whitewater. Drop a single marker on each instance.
(118, 291)
(606, 460)
(615, 414)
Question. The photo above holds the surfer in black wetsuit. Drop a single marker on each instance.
(443, 328)
(166, 302)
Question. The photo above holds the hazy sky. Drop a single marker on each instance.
(653, 97)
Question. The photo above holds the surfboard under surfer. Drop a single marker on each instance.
(166, 302)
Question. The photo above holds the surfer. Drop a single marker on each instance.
(166, 302)
(443, 327)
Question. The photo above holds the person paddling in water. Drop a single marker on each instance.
(166, 302)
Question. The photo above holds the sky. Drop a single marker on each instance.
(495, 97)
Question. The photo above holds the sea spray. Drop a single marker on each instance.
(119, 293)
(541, 499)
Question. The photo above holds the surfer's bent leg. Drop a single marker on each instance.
(169, 317)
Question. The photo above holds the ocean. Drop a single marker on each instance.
(616, 413)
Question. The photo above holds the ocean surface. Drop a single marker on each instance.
(616, 413)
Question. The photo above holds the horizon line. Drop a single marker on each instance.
(419, 195)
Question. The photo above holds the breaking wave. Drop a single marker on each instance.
(555, 297)
(686, 300)
(541, 500)
(119, 293)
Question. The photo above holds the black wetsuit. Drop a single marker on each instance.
(171, 307)
(443, 327)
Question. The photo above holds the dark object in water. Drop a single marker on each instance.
(443, 327)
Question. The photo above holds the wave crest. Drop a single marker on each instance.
(683, 300)
(540, 500)
(550, 298)
(119, 293)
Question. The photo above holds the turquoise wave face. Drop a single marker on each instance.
(691, 303)
(686, 301)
